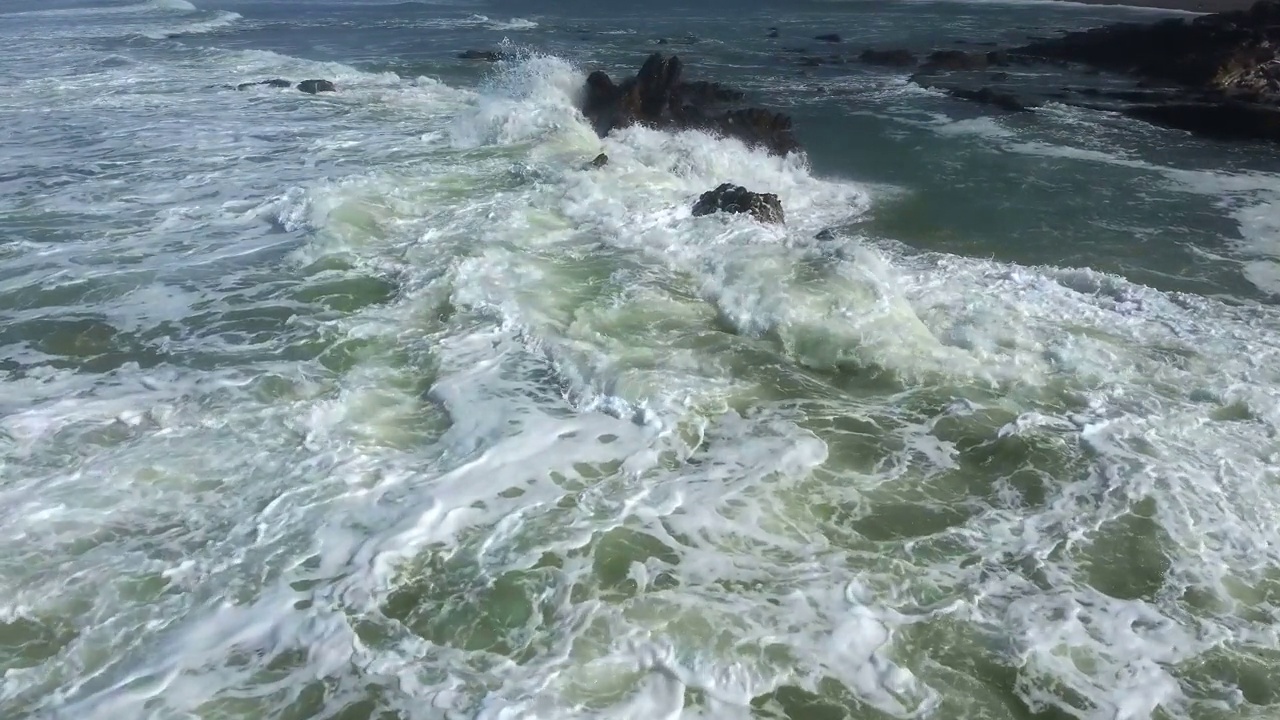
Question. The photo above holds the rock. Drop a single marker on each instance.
(317, 86)
(658, 97)
(731, 198)
(773, 33)
(274, 82)
(1223, 68)
(810, 61)
(892, 58)
(486, 55)
(599, 161)
(1220, 120)
(662, 41)
(829, 37)
(1002, 100)
(1000, 76)
(948, 60)
(826, 234)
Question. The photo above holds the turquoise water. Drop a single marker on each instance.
(378, 405)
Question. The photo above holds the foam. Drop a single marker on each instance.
(633, 428)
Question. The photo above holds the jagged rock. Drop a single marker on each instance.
(893, 58)
(658, 97)
(1002, 100)
(730, 198)
(486, 55)
(599, 161)
(274, 82)
(317, 86)
(829, 37)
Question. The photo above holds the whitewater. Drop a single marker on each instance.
(384, 404)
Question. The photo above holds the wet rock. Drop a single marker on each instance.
(274, 82)
(951, 60)
(659, 97)
(486, 55)
(773, 33)
(829, 37)
(662, 41)
(317, 86)
(891, 58)
(1225, 66)
(826, 234)
(730, 198)
(1231, 120)
(599, 161)
(987, 96)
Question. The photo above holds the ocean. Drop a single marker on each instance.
(381, 405)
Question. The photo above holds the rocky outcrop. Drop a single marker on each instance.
(730, 198)
(658, 97)
(317, 86)
(1222, 71)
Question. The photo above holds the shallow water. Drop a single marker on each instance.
(379, 405)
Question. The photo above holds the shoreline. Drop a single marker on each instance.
(1195, 6)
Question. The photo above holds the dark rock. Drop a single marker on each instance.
(658, 97)
(829, 37)
(893, 58)
(599, 161)
(1002, 100)
(731, 198)
(773, 33)
(486, 55)
(274, 82)
(948, 60)
(662, 41)
(317, 86)
(1221, 120)
(826, 234)
(1216, 75)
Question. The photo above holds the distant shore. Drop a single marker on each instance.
(1203, 6)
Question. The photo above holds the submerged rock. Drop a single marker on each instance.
(317, 86)
(948, 60)
(658, 97)
(274, 82)
(1002, 100)
(892, 58)
(730, 198)
(773, 33)
(486, 55)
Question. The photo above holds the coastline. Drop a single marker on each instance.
(1195, 6)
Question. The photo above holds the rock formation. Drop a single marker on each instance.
(731, 198)
(658, 97)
